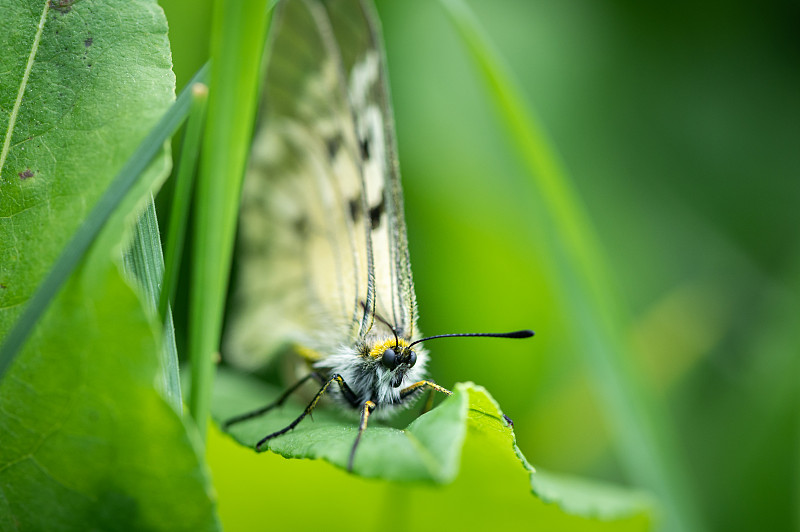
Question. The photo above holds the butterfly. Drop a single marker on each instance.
(323, 253)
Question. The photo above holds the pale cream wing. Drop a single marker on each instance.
(357, 31)
(305, 272)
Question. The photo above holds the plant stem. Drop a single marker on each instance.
(181, 200)
(237, 43)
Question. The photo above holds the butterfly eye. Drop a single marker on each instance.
(412, 359)
(389, 359)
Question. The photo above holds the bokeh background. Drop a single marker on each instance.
(678, 125)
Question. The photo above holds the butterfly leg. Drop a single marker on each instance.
(369, 406)
(346, 391)
(405, 392)
(278, 402)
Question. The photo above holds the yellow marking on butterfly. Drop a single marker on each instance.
(308, 354)
(378, 350)
(430, 384)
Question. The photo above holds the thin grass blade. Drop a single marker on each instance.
(647, 444)
(144, 263)
(237, 43)
(182, 198)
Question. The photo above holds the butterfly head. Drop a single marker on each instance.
(395, 356)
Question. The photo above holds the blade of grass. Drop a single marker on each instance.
(145, 264)
(86, 233)
(647, 444)
(237, 43)
(184, 184)
(794, 283)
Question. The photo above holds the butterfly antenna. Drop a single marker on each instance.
(383, 320)
(394, 331)
(516, 334)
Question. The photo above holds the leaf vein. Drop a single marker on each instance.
(12, 119)
(59, 482)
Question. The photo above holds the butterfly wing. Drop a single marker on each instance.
(357, 31)
(322, 239)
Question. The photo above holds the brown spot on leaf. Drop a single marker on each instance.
(62, 6)
(28, 173)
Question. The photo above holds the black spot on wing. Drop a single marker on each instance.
(376, 212)
(355, 209)
(300, 227)
(364, 145)
(333, 144)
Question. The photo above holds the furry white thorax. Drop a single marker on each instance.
(370, 380)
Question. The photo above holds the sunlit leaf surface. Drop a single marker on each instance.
(462, 451)
(86, 441)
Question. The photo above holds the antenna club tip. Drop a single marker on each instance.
(526, 333)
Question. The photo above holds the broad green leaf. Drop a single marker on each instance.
(86, 440)
(461, 457)
(81, 83)
(429, 449)
(584, 497)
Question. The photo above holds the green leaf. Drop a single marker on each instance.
(86, 440)
(461, 455)
(584, 497)
(429, 449)
(126, 189)
(78, 95)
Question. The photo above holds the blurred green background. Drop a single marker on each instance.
(679, 126)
